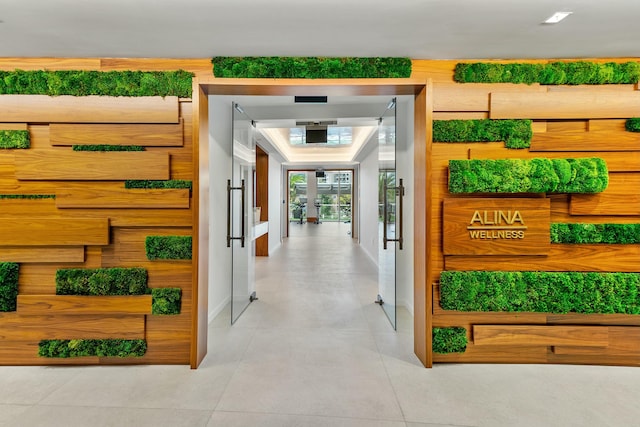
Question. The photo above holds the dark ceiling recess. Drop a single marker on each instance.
(311, 99)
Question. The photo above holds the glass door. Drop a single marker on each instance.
(390, 192)
(240, 212)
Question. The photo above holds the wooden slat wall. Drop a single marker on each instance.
(114, 134)
(98, 221)
(90, 166)
(88, 109)
(580, 121)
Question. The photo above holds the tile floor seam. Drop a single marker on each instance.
(286, 414)
(235, 368)
(386, 371)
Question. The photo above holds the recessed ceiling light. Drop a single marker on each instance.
(557, 17)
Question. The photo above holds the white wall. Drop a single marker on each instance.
(368, 208)
(404, 170)
(312, 193)
(275, 204)
(220, 170)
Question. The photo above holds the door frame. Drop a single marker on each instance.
(421, 89)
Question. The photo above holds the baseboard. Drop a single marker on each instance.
(218, 309)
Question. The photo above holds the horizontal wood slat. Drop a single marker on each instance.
(578, 336)
(13, 126)
(122, 198)
(91, 166)
(35, 328)
(567, 257)
(605, 125)
(456, 115)
(560, 105)
(472, 96)
(150, 135)
(82, 304)
(617, 161)
(585, 141)
(622, 197)
(42, 255)
(88, 109)
(53, 232)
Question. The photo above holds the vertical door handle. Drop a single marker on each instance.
(385, 213)
(230, 237)
(400, 192)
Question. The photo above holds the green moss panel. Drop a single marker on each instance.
(542, 175)
(276, 67)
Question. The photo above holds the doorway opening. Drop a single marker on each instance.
(334, 208)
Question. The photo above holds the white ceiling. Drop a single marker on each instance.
(420, 29)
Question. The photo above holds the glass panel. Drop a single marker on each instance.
(336, 135)
(297, 196)
(243, 249)
(387, 212)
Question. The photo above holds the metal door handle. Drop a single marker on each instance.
(399, 191)
(229, 236)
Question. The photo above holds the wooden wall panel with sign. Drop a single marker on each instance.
(496, 226)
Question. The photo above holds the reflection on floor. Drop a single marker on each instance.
(315, 350)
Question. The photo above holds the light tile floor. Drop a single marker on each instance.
(315, 351)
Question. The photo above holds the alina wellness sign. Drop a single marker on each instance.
(496, 226)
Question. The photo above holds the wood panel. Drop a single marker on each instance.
(465, 115)
(496, 226)
(620, 198)
(559, 105)
(473, 96)
(91, 166)
(21, 63)
(150, 135)
(261, 192)
(607, 125)
(201, 67)
(88, 109)
(586, 141)
(82, 304)
(122, 198)
(496, 354)
(617, 161)
(46, 209)
(576, 336)
(13, 126)
(35, 328)
(39, 255)
(569, 257)
(567, 125)
(32, 231)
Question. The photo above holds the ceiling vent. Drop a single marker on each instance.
(310, 99)
(317, 123)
